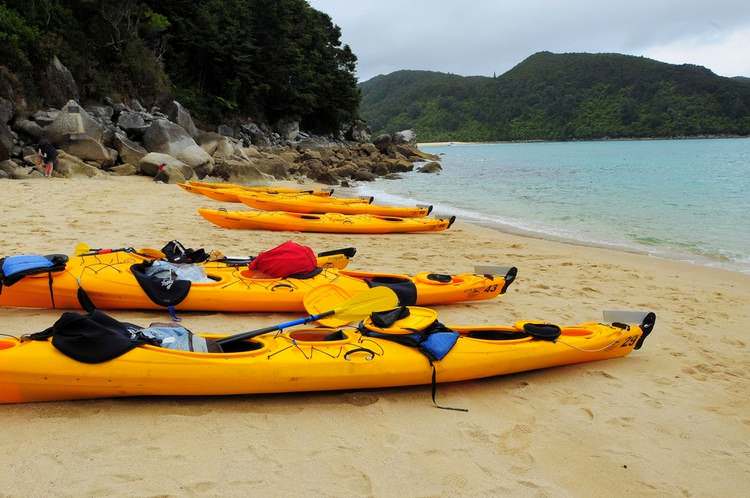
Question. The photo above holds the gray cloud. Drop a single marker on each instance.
(483, 36)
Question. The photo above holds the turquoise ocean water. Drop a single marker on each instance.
(680, 199)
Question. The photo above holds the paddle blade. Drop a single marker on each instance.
(81, 248)
(348, 307)
(151, 253)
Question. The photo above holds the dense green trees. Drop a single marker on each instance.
(266, 59)
(561, 96)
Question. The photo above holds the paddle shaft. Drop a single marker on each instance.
(273, 328)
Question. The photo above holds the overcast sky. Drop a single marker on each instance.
(479, 37)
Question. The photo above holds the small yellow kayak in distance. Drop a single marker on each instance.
(323, 223)
(262, 188)
(320, 206)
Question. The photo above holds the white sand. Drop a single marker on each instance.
(671, 419)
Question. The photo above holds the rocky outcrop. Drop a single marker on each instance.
(132, 122)
(288, 129)
(169, 138)
(239, 172)
(358, 132)
(149, 164)
(129, 151)
(72, 120)
(126, 169)
(181, 116)
(431, 167)
(6, 142)
(102, 136)
(88, 149)
(405, 137)
(226, 130)
(11, 95)
(251, 133)
(69, 166)
(276, 167)
(58, 85)
(9, 168)
(7, 110)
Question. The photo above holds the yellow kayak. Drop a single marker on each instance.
(117, 280)
(323, 223)
(310, 360)
(270, 189)
(319, 206)
(234, 194)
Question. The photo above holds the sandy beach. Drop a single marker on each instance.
(670, 419)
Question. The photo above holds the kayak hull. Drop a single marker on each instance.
(322, 223)
(294, 362)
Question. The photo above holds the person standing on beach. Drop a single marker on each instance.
(48, 157)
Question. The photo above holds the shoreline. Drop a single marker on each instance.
(657, 252)
(619, 139)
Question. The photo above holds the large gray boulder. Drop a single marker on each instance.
(275, 166)
(405, 137)
(431, 167)
(209, 141)
(11, 95)
(72, 167)
(359, 132)
(45, 118)
(130, 152)
(226, 130)
(9, 167)
(58, 85)
(126, 169)
(181, 116)
(169, 138)
(7, 110)
(136, 105)
(6, 142)
(73, 120)
(254, 134)
(382, 142)
(102, 112)
(88, 149)
(240, 172)
(288, 129)
(132, 122)
(149, 164)
(15, 171)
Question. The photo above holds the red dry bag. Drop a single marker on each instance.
(287, 259)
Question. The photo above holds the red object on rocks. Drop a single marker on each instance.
(287, 259)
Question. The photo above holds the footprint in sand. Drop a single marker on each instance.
(360, 399)
(516, 442)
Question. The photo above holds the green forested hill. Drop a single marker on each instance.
(560, 96)
(265, 59)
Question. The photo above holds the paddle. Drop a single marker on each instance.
(353, 309)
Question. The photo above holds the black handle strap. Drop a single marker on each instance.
(434, 394)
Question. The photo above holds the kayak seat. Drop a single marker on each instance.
(318, 335)
(405, 289)
(241, 347)
(162, 291)
(496, 335)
